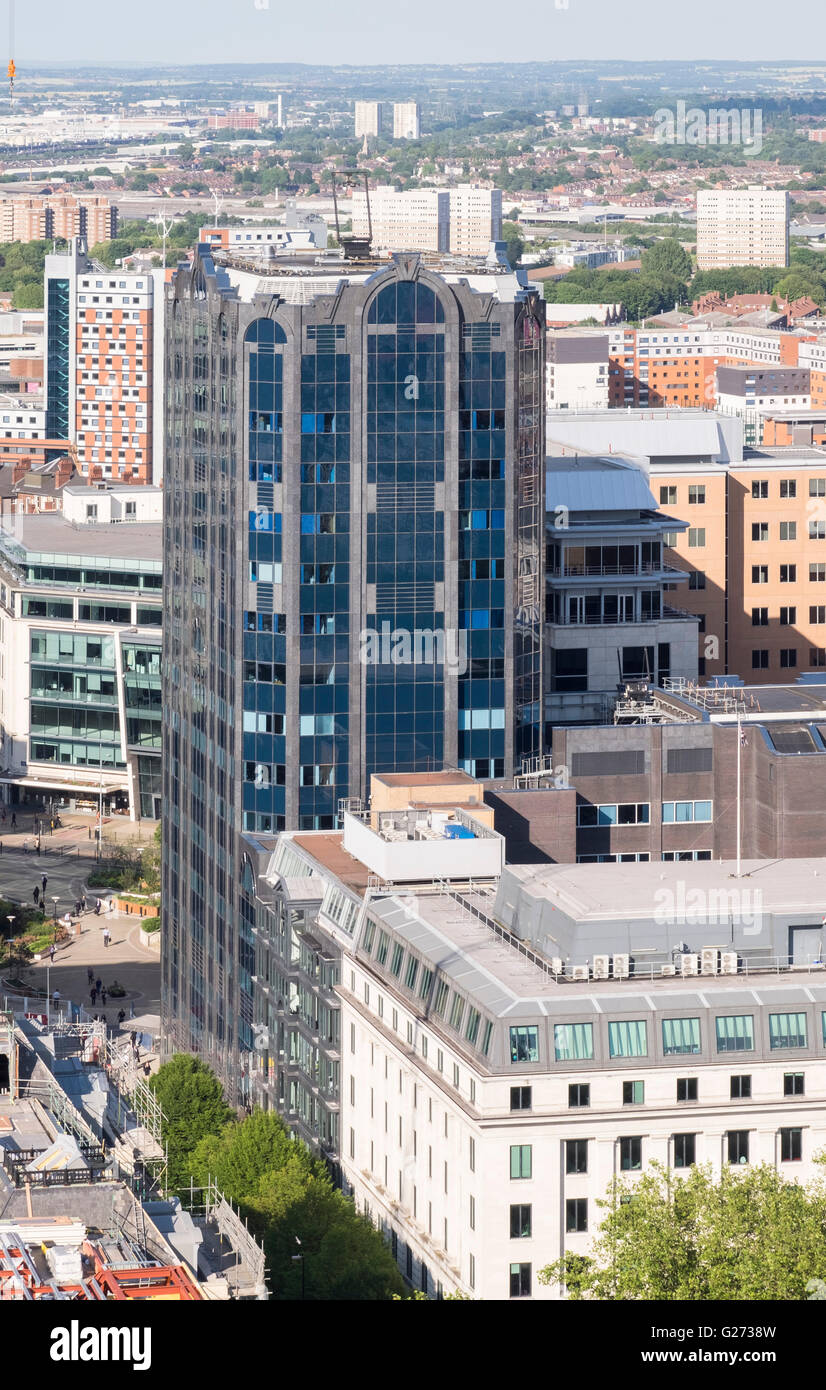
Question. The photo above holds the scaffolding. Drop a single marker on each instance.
(228, 1239)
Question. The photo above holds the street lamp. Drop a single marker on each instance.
(10, 921)
(55, 900)
(301, 1258)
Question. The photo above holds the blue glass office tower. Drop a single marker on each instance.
(353, 569)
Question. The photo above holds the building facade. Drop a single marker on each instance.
(80, 654)
(417, 220)
(743, 226)
(367, 119)
(348, 471)
(407, 120)
(62, 216)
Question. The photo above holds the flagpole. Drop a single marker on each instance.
(739, 753)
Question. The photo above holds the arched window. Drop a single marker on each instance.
(264, 334)
(406, 302)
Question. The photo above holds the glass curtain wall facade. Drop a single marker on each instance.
(350, 493)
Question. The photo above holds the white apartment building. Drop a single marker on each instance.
(416, 220)
(478, 1060)
(475, 219)
(407, 120)
(743, 226)
(367, 119)
(22, 417)
(576, 370)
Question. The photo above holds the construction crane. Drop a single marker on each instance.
(12, 70)
(354, 247)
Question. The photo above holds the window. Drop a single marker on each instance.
(573, 1042)
(735, 1033)
(787, 1030)
(611, 813)
(759, 574)
(411, 972)
(576, 1215)
(760, 659)
(685, 1150)
(628, 1039)
(738, 1146)
(524, 1044)
(788, 657)
(440, 1002)
(697, 580)
(576, 1155)
(696, 536)
(396, 959)
(520, 1281)
(817, 573)
(579, 1094)
(760, 530)
(686, 812)
(633, 1092)
(668, 497)
(760, 489)
(793, 1083)
(817, 613)
(472, 1213)
(457, 1009)
(817, 487)
(520, 1223)
(788, 530)
(686, 1088)
(788, 616)
(759, 617)
(788, 487)
(521, 1160)
(817, 530)
(740, 1088)
(521, 1097)
(788, 574)
(791, 1145)
(696, 494)
(681, 1036)
(630, 1153)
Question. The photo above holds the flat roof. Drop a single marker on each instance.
(328, 850)
(49, 534)
(424, 779)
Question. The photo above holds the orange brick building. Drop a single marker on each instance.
(58, 215)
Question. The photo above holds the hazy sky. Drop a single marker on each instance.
(410, 31)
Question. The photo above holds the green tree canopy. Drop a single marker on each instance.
(667, 257)
(514, 240)
(749, 1234)
(193, 1105)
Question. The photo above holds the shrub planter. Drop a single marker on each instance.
(136, 909)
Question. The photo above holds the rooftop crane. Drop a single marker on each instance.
(12, 70)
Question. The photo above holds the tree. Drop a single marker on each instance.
(28, 294)
(750, 1234)
(667, 257)
(515, 242)
(193, 1105)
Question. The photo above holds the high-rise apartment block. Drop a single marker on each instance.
(743, 226)
(407, 120)
(61, 215)
(463, 220)
(354, 568)
(367, 119)
(103, 340)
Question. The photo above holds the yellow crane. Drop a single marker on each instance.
(12, 70)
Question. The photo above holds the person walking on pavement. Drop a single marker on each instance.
(52, 952)
(90, 975)
(44, 881)
(83, 902)
(36, 895)
(14, 820)
(103, 996)
(98, 984)
(97, 907)
(93, 994)
(37, 844)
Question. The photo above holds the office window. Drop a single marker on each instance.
(817, 613)
(740, 1088)
(817, 573)
(633, 1092)
(793, 1083)
(817, 487)
(696, 536)
(579, 1094)
(738, 1146)
(681, 1036)
(630, 1153)
(760, 489)
(472, 1213)
(760, 530)
(788, 616)
(735, 1033)
(788, 530)
(521, 1159)
(668, 497)
(696, 494)
(788, 487)
(440, 1001)
(576, 1215)
(686, 812)
(576, 1155)
(760, 659)
(686, 1088)
(628, 1039)
(787, 1030)
(524, 1043)
(685, 1150)
(521, 1097)
(471, 1154)
(759, 574)
(817, 530)
(520, 1222)
(817, 656)
(759, 617)
(520, 1281)
(791, 1145)
(697, 580)
(788, 574)
(788, 657)
(573, 1042)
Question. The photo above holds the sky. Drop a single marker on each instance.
(408, 31)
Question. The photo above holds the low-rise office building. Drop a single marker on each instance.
(80, 653)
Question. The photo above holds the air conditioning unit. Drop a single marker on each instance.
(580, 972)
(709, 960)
(668, 969)
(728, 962)
(621, 967)
(601, 964)
(689, 964)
